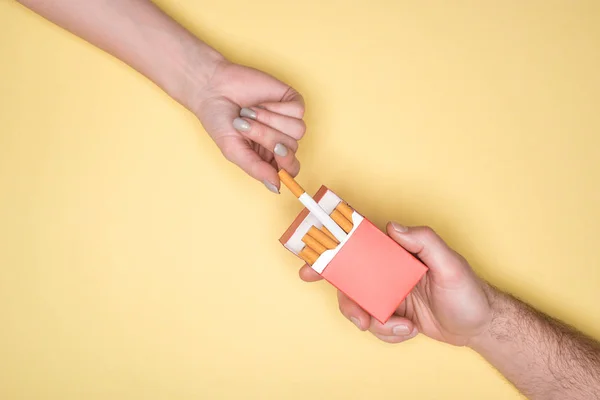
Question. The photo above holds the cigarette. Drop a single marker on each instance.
(312, 205)
(322, 238)
(346, 210)
(326, 231)
(314, 244)
(308, 255)
(341, 221)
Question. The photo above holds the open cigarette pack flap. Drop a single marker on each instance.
(367, 266)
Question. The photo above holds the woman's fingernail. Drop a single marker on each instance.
(400, 330)
(399, 228)
(248, 113)
(356, 322)
(241, 125)
(271, 187)
(280, 150)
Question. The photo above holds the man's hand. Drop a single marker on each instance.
(449, 304)
(255, 120)
(542, 357)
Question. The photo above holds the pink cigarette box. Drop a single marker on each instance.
(367, 266)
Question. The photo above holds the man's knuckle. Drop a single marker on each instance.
(428, 233)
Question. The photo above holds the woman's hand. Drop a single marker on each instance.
(450, 303)
(255, 119)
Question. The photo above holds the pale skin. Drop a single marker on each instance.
(542, 357)
(256, 121)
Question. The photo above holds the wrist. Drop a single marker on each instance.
(194, 64)
(497, 311)
(505, 323)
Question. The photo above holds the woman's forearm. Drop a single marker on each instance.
(141, 35)
(197, 76)
(542, 357)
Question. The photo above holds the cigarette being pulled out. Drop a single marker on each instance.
(313, 206)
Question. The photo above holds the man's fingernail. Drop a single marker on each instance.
(271, 187)
(280, 150)
(399, 228)
(241, 125)
(356, 322)
(400, 330)
(248, 113)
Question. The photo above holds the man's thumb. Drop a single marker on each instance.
(423, 242)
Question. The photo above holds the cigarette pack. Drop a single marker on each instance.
(367, 266)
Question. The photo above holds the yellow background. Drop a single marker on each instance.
(136, 263)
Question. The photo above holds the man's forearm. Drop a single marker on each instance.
(542, 357)
(142, 36)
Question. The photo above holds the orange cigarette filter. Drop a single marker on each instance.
(322, 238)
(346, 210)
(328, 233)
(308, 255)
(341, 221)
(312, 205)
(313, 244)
(291, 183)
